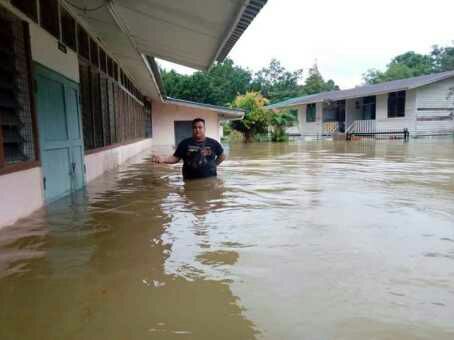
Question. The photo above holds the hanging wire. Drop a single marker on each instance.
(85, 9)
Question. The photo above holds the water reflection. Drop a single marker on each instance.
(322, 240)
(94, 267)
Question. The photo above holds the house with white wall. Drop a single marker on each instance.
(423, 105)
(80, 90)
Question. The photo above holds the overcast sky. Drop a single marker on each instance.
(346, 37)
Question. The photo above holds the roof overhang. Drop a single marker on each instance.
(194, 33)
(224, 113)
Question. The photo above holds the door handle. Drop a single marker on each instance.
(73, 167)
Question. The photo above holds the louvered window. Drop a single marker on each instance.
(16, 125)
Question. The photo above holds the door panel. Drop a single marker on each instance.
(183, 130)
(56, 167)
(78, 167)
(72, 107)
(60, 130)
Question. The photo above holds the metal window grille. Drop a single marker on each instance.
(86, 107)
(49, 17)
(68, 25)
(102, 60)
(94, 53)
(83, 42)
(28, 7)
(16, 122)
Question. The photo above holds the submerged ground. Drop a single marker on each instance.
(318, 240)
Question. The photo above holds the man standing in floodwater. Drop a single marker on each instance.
(201, 154)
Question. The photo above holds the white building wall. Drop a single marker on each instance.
(164, 116)
(313, 128)
(384, 123)
(21, 194)
(434, 102)
(45, 51)
(102, 161)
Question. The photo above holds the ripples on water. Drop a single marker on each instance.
(319, 240)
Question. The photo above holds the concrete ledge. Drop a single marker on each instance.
(99, 162)
(22, 194)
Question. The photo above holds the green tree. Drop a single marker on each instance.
(442, 58)
(280, 121)
(218, 86)
(256, 119)
(277, 83)
(315, 83)
(406, 65)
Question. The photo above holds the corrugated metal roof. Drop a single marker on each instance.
(367, 90)
(249, 13)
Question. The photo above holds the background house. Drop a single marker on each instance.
(79, 87)
(424, 105)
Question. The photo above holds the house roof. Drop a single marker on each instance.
(225, 113)
(193, 33)
(367, 90)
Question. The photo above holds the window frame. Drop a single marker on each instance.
(53, 21)
(313, 115)
(397, 104)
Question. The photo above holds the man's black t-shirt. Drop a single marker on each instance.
(199, 157)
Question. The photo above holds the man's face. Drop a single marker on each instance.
(198, 130)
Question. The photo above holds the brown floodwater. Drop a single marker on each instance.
(316, 240)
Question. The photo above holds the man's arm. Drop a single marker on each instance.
(167, 160)
(220, 159)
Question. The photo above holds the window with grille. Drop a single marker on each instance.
(28, 7)
(396, 104)
(148, 120)
(94, 53)
(83, 42)
(115, 71)
(110, 70)
(49, 17)
(68, 25)
(311, 110)
(102, 60)
(16, 121)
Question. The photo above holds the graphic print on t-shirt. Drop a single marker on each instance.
(197, 156)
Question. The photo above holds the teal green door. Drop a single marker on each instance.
(60, 131)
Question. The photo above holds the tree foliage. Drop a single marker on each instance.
(277, 83)
(218, 86)
(224, 81)
(412, 64)
(315, 83)
(256, 118)
(280, 121)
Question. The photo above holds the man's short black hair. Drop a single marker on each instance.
(198, 120)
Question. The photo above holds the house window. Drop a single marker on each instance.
(102, 60)
(49, 17)
(396, 104)
(311, 110)
(28, 7)
(83, 42)
(369, 107)
(68, 25)
(94, 53)
(17, 131)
